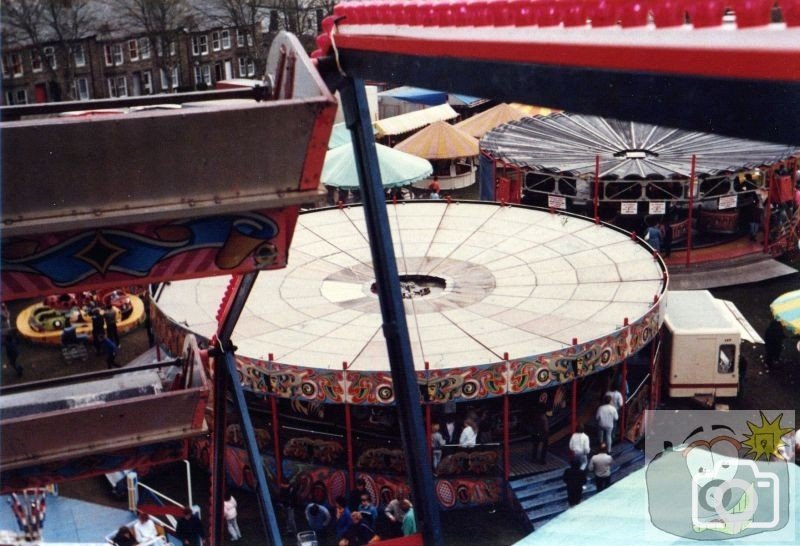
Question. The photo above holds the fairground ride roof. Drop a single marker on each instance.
(479, 280)
(568, 142)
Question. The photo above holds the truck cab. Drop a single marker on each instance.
(703, 338)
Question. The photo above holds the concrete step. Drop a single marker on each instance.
(537, 478)
(552, 509)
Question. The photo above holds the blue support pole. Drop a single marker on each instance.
(226, 372)
(395, 329)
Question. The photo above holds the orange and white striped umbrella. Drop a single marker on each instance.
(440, 140)
(480, 124)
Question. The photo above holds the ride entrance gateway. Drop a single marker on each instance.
(502, 302)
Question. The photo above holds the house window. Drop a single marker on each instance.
(239, 38)
(133, 49)
(246, 67)
(78, 55)
(226, 39)
(12, 65)
(117, 86)
(202, 74)
(166, 85)
(50, 56)
(36, 61)
(113, 54)
(144, 48)
(216, 43)
(80, 89)
(17, 96)
(200, 45)
(160, 47)
(147, 82)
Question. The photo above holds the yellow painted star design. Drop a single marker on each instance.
(765, 440)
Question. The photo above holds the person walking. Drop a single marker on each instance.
(540, 437)
(98, 330)
(607, 417)
(579, 446)
(189, 529)
(110, 316)
(575, 478)
(231, 514)
(600, 464)
(773, 344)
(437, 443)
(653, 237)
(110, 349)
(11, 343)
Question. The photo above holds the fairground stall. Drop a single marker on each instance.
(511, 311)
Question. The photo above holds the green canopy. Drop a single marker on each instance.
(397, 168)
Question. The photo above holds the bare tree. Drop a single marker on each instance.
(162, 22)
(43, 24)
(245, 16)
(300, 16)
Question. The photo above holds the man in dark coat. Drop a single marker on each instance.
(773, 343)
(575, 478)
(110, 317)
(189, 529)
(98, 329)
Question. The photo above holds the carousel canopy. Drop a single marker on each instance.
(397, 168)
(786, 309)
(418, 95)
(404, 123)
(569, 143)
(478, 280)
(440, 140)
(480, 124)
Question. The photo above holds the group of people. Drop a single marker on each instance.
(105, 335)
(659, 236)
(607, 417)
(356, 520)
(189, 530)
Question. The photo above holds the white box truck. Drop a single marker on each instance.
(703, 337)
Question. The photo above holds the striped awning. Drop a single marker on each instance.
(786, 309)
(440, 140)
(411, 121)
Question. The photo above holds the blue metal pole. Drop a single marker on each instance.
(395, 329)
(243, 286)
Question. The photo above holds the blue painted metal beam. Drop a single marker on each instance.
(395, 329)
(226, 372)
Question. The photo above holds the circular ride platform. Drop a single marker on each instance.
(52, 335)
(499, 299)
